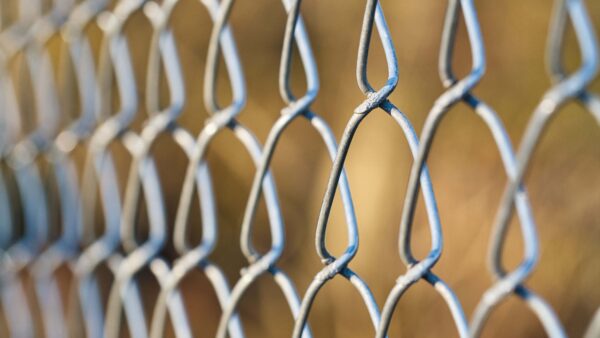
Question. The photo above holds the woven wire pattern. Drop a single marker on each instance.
(42, 188)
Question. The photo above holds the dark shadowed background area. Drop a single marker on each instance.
(466, 170)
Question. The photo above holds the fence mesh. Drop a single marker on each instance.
(93, 212)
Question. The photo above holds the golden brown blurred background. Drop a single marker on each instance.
(466, 170)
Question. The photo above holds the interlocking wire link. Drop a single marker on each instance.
(542, 310)
(24, 159)
(63, 252)
(381, 100)
(39, 171)
(22, 251)
(198, 178)
(564, 90)
(375, 99)
(13, 294)
(260, 264)
(143, 175)
(99, 168)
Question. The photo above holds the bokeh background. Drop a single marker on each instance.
(467, 173)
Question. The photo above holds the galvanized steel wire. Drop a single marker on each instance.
(117, 248)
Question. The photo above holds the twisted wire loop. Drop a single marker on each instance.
(21, 250)
(143, 175)
(260, 264)
(419, 176)
(566, 89)
(296, 107)
(538, 306)
(33, 253)
(589, 100)
(100, 174)
(554, 58)
(198, 179)
(375, 99)
(64, 251)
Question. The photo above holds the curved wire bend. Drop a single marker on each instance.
(567, 88)
(334, 266)
(143, 176)
(260, 264)
(168, 279)
(562, 11)
(198, 175)
(64, 250)
(35, 253)
(538, 306)
(15, 251)
(99, 169)
(455, 91)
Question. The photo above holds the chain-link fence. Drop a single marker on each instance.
(106, 232)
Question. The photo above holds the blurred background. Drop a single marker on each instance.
(466, 170)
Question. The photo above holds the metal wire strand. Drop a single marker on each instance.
(28, 255)
(13, 295)
(411, 136)
(554, 59)
(563, 91)
(99, 168)
(63, 252)
(260, 264)
(455, 91)
(538, 306)
(14, 302)
(334, 266)
(295, 32)
(143, 176)
(198, 175)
